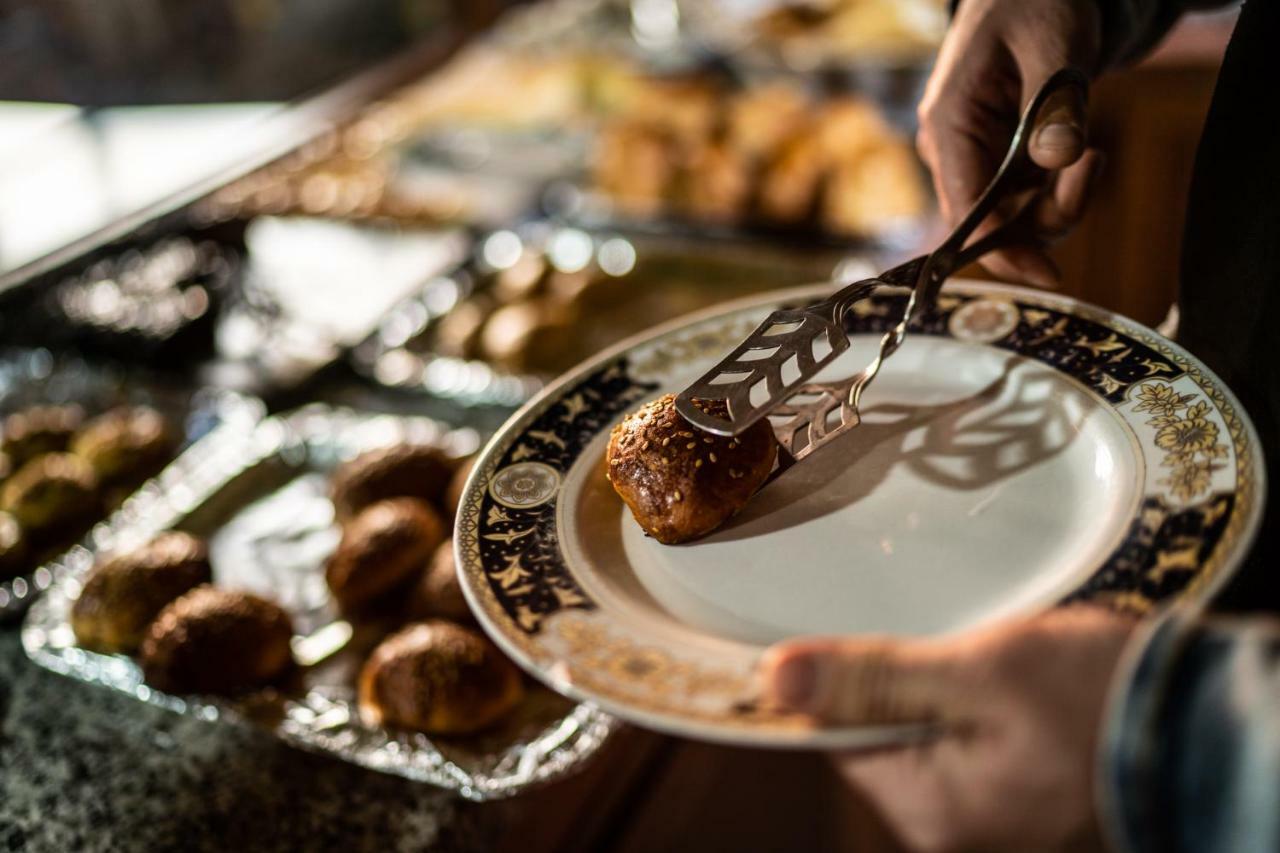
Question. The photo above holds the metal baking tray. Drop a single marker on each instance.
(30, 377)
(261, 498)
(402, 352)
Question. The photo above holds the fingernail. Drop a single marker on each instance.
(1059, 137)
(795, 681)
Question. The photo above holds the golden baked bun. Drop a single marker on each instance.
(38, 430)
(439, 678)
(760, 118)
(52, 495)
(717, 183)
(789, 186)
(635, 165)
(880, 190)
(681, 483)
(126, 445)
(381, 551)
(534, 335)
(123, 594)
(219, 641)
(13, 547)
(438, 593)
(453, 494)
(399, 471)
(458, 333)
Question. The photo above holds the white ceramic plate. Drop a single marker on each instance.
(1019, 451)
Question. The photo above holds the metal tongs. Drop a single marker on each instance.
(801, 342)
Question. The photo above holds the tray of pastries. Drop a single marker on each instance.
(76, 438)
(300, 577)
(533, 301)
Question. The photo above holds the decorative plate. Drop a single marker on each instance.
(1019, 451)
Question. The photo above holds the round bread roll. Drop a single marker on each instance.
(679, 482)
(52, 494)
(13, 546)
(438, 592)
(399, 471)
(123, 594)
(38, 430)
(127, 444)
(458, 333)
(219, 641)
(438, 678)
(526, 336)
(382, 549)
(6, 466)
(453, 494)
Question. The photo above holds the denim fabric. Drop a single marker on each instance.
(1191, 755)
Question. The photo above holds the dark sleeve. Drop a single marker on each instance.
(1131, 28)
(1191, 752)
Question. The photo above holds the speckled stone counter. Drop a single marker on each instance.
(84, 768)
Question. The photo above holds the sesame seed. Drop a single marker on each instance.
(707, 441)
(686, 433)
(666, 441)
(712, 457)
(677, 495)
(697, 463)
(645, 446)
(691, 445)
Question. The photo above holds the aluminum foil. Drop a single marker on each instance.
(30, 377)
(260, 496)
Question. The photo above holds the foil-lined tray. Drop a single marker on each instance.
(31, 377)
(664, 276)
(260, 496)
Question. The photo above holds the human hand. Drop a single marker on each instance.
(1018, 705)
(995, 56)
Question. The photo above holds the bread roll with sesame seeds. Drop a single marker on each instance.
(679, 482)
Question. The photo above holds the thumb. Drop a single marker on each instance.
(865, 680)
(1058, 138)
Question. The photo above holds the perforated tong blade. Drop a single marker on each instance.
(769, 373)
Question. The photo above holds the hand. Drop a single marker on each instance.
(994, 57)
(1018, 705)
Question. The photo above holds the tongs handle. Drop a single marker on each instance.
(1018, 172)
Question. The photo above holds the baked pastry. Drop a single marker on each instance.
(38, 430)
(126, 445)
(717, 183)
(525, 278)
(634, 165)
(53, 493)
(458, 482)
(880, 190)
(398, 471)
(527, 336)
(13, 546)
(789, 187)
(382, 550)
(214, 640)
(123, 594)
(760, 118)
(458, 334)
(681, 483)
(439, 678)
(438, 592)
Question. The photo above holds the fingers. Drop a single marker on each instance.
(865, 681)
(1059, 139)
(1059, 209)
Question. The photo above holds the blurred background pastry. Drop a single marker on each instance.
(38, 430)
(217, 641)
(438, 593)
(383, 549)
(401, 470)
(126, 445)
(123, 594)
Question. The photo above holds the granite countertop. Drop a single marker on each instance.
(84, 768)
